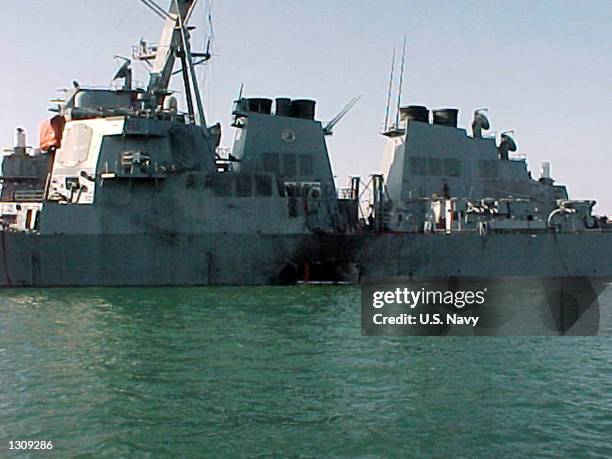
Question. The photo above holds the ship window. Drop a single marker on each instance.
(434, 166)
(222, 185)
(263, 185)
(452, 167)
(75, 145)
(306, 165)
(418, 166)
(271, 163)
(243, 186)
(487, 168)
(289, 169)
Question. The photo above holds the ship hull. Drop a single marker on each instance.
(176, 259)
(494, 255)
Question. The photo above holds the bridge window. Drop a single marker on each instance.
(289, 166)
(243, 186)
(263, 185)
(434, 166)
(222, 185)
(452, 167)
(271, 163)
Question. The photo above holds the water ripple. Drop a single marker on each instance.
(284, 372)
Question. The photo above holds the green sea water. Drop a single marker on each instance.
(284, 372)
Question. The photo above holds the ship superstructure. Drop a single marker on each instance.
(454, 204)
(125, 189)
(440, 178)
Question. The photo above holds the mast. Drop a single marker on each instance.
(389, 93)
(186, 51)
(169, 43)
(174, 42)
(399, 92)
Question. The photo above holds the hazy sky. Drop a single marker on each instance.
(543, 68)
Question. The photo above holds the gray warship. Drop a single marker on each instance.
(127, 190)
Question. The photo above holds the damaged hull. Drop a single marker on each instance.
(179, 259)
(31, 260)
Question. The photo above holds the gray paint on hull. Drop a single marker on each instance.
(248, 259)
(496, 255)
(166, 259)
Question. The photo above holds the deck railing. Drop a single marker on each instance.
(29, 195)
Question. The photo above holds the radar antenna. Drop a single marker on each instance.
(125, 72)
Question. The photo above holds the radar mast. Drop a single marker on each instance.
(174, 42)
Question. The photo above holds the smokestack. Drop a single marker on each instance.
(446, 117)
(415, 113)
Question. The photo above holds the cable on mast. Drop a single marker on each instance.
(156, 9)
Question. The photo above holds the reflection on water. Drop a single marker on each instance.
(285, 372)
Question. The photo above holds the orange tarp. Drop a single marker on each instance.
(51, 133)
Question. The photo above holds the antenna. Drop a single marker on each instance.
(399, 92)
(389, 94)
(328, 130)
